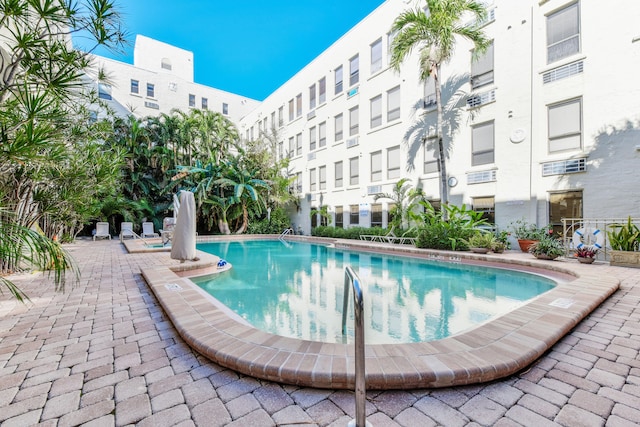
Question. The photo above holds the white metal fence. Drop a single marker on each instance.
(589, 228)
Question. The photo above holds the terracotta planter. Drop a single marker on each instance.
(525, 244)
(585, 260)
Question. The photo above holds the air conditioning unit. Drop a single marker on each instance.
(352, 142)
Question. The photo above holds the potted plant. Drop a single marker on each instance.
(481, 242)
(501, 242)
(527, 234)
(586, 254)
(547, 248)
(625, 244)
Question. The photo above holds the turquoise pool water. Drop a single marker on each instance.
(296, 290)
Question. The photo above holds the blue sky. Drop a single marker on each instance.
(246, 47)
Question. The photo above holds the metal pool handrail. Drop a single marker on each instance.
(350, 277)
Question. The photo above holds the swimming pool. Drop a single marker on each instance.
(295, 289)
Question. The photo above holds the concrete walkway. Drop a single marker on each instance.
(104, 354)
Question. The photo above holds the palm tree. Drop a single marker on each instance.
(246, 189)
(43, 92)
(433, 32)
(405, 200)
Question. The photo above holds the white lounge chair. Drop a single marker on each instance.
(102, 231)
(148, 231)
(126, 230)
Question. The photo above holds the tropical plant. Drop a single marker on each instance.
(481, 240)
(547, 246)
(406, 200)
(624, 237)
(46, 136)
(586, 251)
(449, 228)
(523, 230)
(433, 31)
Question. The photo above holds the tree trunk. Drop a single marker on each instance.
(223, 226)
(444, 192)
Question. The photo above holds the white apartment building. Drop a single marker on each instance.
(545, 125)
(161, 79)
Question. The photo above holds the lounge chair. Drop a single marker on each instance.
(102, 231)
(148, 231)
(126, 230)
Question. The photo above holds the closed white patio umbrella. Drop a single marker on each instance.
(183, 243)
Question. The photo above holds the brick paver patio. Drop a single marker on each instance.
(103, 353)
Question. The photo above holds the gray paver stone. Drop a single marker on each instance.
(272, 397)
(291, 415)
(441, 412)
(167, 418)
(132, 410)
(129, 388)
(325, 412)
(211, 413)
(166, 400)
(257, 418)
(62, 404)
(571, 416)
(242, 405)
(391, 403)
(411, 417)
(483, 410)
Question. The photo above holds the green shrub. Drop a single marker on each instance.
(448, 229)
(278, 223)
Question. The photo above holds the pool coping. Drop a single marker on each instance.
(494, 350)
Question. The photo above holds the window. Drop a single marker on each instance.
(565, 126)
(312, 179)
(165, 64)
(280, 150)
(338, 78)
(485, 205)
(338, 174)
(273, 119)
(338, 127)
(354, 215)
(353, 171)
(376, 56)
(192, 100)
(430, 92)
(291, 116)
(291, 148)
(393, 162)
(322, 177)
(563, 33)
(135, 86)
(482, 144)
(431, 155)
(567, 204)
(482, 69)
(322, 134)
(393, 104)
(299, 144)
(354, 70)
(225, 108)
(376, 214)
(312, 96)
(353, 121)
(298, 182)
(312, 138)
(151, 90)
(376, 166)
(205, 103)
(104, 91)
(299, 105)
(376, 111)
(322, 91)
(339, 217)
(280, 116)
